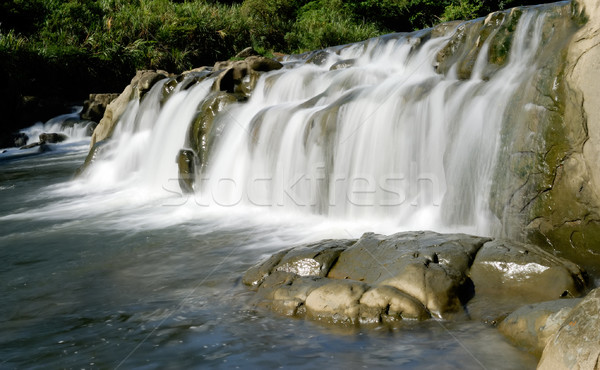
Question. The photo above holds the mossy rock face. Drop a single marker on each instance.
(198, 135)
(542, 191)
(501, 42)
(186, 164)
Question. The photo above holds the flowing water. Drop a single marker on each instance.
(120, 269)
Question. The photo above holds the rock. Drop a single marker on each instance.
(231, 80)
(510, 274)
(530, 327)
(231, 76)
(343, 64)
(318, 57)
(286, 293)
(247, 52)
(186, 163)
(386, 303)
(545, 188)
(429, 266)
(95, 106)
(337, 301)
(29, 146)
(410, 275)
(19, 139)
(262, 64)
(16, 139)
(576, 345)
(52, 138)
(200, 133)
(140, 84)
(502, 267)
(92, 156)
(257, 274)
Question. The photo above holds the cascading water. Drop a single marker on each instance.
(67, 124)
(386, 137)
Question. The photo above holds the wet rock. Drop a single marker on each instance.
(200, 133)
(525, 270)
(410, 275)
(52, 138)
(531, 326)
(576, 345)
(507, 275)
(318, 57)
(262, 64)
(386, 303)
(429, 266)
(140, 84)
(257, 274)
(17, 139)
(546, 181)
(343, 64)
(95, 106)
(92, 156)
(247, 52)
(337, 301)
(231, 76)
(29, 146)
(186, 163)
(240, 76)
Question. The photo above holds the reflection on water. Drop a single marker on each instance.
(93, 279)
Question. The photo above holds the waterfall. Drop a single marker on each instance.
(378, 130)
(68, 124)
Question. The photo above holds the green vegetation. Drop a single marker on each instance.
(69, 48)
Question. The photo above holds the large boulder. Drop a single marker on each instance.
(141, 83)
(531, 326)
(576, 345)
(506, 272)
(410, 275)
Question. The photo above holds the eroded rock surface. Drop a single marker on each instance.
(531, 326)
(576, 345)
(409, 275)
(140, 84)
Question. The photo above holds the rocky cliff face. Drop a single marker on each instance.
(546, 188)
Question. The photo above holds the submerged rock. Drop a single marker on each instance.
(410, 275)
